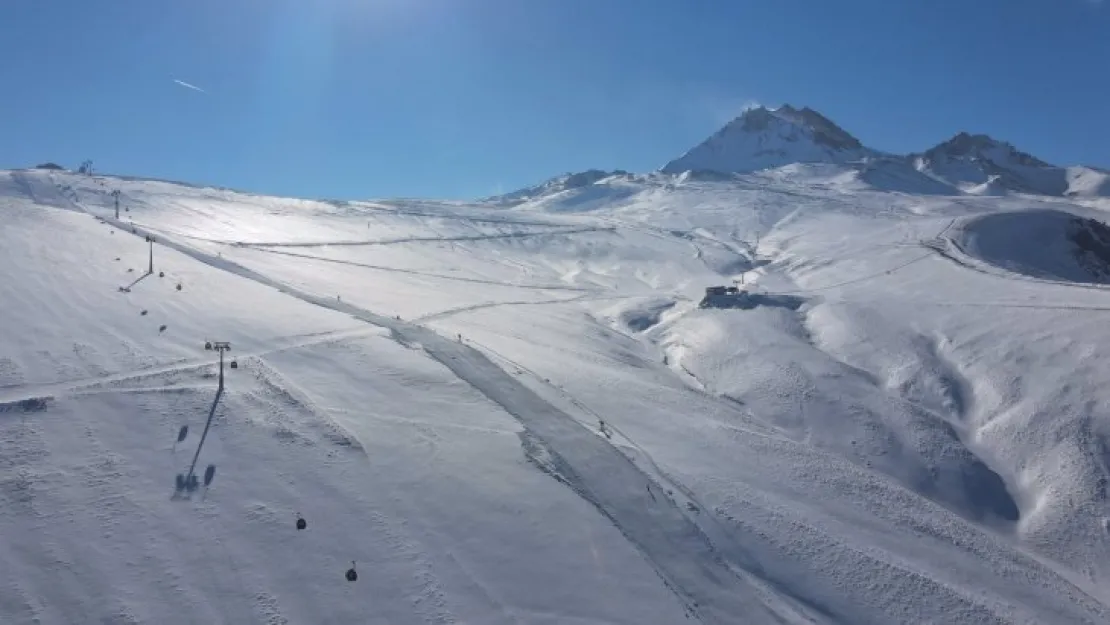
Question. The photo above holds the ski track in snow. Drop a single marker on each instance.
(14, 394)
(428, 274)
(689, 505)
(438, 239)
(499, 220)
(372, 242)
(437, 316)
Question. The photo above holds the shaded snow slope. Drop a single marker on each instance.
(1048, 244)
(425, 381)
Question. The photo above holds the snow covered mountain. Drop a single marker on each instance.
(979, 164)
(763, 138)
(558, 184)
(425, 383)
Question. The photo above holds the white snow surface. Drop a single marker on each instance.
(925, 439)
(1088, 182)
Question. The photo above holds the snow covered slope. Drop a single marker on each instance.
(905, 430)
(981, 165)
(1046, 244)
(763, 138)
(971, 161)
(1088, 182)
(558, 184)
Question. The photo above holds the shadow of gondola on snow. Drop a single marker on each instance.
(127, 288)
(187, 484)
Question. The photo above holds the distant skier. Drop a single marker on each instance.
(604, 429)
(648, 487)
(351, 574)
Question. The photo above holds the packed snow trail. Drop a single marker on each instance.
(676, 548)
(600, 474)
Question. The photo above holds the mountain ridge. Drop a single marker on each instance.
(763, 138)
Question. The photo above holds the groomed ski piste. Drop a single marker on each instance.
(923, 438)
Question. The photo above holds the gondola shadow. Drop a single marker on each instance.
(127, 289)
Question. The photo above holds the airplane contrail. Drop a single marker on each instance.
(188, 86)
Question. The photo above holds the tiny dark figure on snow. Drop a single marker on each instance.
(352, 575)
(301, 523)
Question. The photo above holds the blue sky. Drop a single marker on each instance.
(463, 98)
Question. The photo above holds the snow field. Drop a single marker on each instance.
(892, 451)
